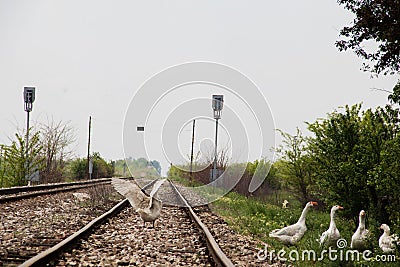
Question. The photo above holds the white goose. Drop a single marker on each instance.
(291, 234)
(148, 207)
(387, 241)
(359, 238)
(331, 235)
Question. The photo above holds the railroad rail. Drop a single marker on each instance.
(185, 236)
(22, 192)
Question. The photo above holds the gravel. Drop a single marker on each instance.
(124, 241)
(30, 226)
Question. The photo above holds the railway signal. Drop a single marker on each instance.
(29, 98)
(217, 105)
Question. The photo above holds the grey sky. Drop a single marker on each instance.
(89, 57)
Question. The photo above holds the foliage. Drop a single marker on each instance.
(17, 164)
(394, 97)
(137, 167)
(295, 164)
(355, 159)
(55, 138)
(77, 168)
(101, 169)
(377, 20)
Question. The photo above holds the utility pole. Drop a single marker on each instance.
(191, 153)
(88, 149)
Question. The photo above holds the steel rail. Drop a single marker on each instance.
(48, 192)
(217, 254)
(21, 189)
(50, 254)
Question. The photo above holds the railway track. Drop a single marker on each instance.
(61, 230)
(118, 237)
(23, 192)
(33, 224)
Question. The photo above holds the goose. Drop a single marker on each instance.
(331, 235)
(148, 207)
(291, 234)
(284, 204)
(387, 241)
(359, 238)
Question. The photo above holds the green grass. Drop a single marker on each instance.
(252, 217)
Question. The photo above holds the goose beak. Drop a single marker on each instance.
(313, 203)
(362, 213)
(341, 208)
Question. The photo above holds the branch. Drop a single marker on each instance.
(382, 90)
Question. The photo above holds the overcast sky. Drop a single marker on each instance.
(89, 57)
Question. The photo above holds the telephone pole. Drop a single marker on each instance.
(88, 149)
(191, 153)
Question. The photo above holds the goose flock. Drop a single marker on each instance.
(291, 234)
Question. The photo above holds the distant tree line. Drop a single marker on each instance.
(48, 155)
(138, 167)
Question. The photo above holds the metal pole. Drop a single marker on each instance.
(27, 145)
(191, 153)
(214, 176)
(88, 148)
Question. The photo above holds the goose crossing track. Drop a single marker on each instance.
(23, 192)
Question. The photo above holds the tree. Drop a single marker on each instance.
(355, 160)
(156, 166)
(55, 138)
(295, 165)
(101, 169)
(138, 167)
(18, 163)
(377, 20)
(394, 97)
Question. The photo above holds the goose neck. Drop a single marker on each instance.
(332, 224)
(362, 222)
(303, 215)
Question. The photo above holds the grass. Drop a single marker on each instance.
(252, 217)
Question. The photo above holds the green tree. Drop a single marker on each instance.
(20, 164)
(101, 168)
(351, 152)
(156, 165)
(379, 21)
(77, 168)
(295, 166)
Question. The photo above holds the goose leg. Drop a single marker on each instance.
(153, 223)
